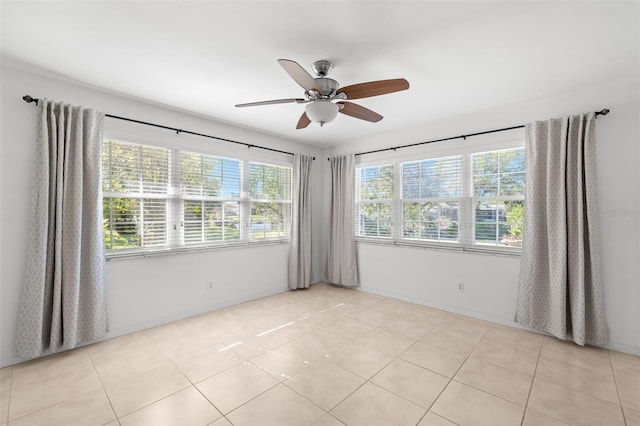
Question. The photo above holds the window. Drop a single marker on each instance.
(270, 194)
(210, 188)
(498, 195)
(375, 197)
(161, 199)
(431, 191)
(471, 200)
(135, 185)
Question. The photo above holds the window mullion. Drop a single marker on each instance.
(396, 206)
(245, 203)
(465, 209)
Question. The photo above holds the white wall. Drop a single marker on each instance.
(142, 292)
(430, 277)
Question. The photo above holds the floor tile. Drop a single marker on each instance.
(281, 365)
(432, 419)
(414, 383)
(372, 405)
(318, 345)
(387, 341)
(453, 337)
(426, 315)
(187, 407)
(596, 359)
(577, 378)
(625, 364)
(531, 418)
(573, 407)
(235, 386)
(361, 359)
(434, 358)
(411, 327)
(518, 359)
(134, 352)
(92, 407)
(131, 390)
(221, 422)
(48, 381)
(328, 420)
(4, 406)
(371, 316)
(325, 385)
(199, 358)
(498, 381)
(631, 416)
(349, 328)
(279, 406)
(629, 388)
(173, 330)
(395, 307)
(465, 405)
(509, 336)
(6, 375)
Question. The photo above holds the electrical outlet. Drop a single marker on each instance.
(209, 286)
(460, 287)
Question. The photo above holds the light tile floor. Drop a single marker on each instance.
(326, 356)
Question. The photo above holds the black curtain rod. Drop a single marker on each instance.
(604, 111)
(30, 99)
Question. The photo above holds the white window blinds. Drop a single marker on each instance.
(270, 197)
(158, 199)
(136, 183)
(472, 200)
(498, 195)
(431, 194)
(210, 190)
(375, 194)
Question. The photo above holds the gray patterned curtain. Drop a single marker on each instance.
(560, 280)
(300, 246)
(342, 267)
(63, 300)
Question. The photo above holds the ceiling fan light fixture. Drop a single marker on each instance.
(322, 111)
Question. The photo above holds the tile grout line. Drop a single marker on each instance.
(451, 379)
(533, 378)
(104, 389)
(615, 382)
(10, 393)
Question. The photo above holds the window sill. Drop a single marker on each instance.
(485, 250)
(137, 254)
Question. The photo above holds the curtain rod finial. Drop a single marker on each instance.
(604, 111)
(29, 99)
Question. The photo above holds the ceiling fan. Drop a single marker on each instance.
(321, 92)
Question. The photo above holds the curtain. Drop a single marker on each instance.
(560, 279)
(63, 300)
(342, 267)
(300, 246)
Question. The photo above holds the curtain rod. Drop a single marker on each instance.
(603, 111)
(30, 99)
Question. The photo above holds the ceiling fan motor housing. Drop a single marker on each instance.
(328, 86)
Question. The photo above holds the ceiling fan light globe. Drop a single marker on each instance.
(322, 111)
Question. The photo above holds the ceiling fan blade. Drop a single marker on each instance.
(357, 111)
(299, 74)
(304, 121)
(275, 101)
(374, 88)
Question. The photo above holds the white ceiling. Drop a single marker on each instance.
(205, 57)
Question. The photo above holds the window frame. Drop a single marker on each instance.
(375, 201)
(175, 199)
(466, 216)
